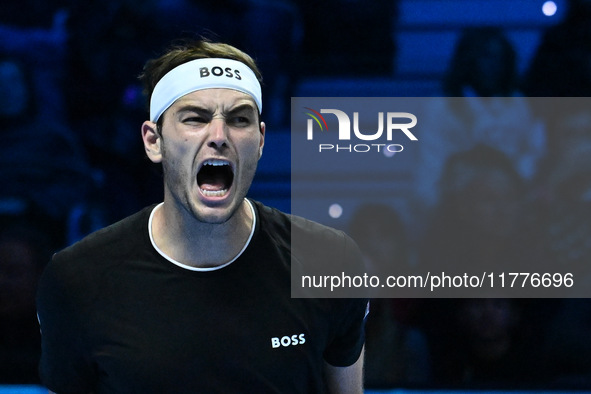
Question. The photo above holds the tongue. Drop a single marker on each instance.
(214, 178)
(211, 181)
(211, 187)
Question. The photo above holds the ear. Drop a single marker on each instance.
(152, 141)
(262, 142)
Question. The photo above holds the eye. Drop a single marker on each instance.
(195, 119)
(239, 121)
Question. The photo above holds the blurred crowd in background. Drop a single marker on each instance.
(72, 161)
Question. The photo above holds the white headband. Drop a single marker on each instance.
(202, 74)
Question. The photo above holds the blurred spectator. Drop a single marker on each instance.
(482, 224)
(561, 66)
(483, 65)
(42, 163)
(483, 70)
(42, 51)
(24, 249)
(396, 352)
(481, 221)
(563, 185)
(564, 190)
(568, 130)
(487, 344)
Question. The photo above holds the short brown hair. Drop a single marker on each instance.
(186, 51)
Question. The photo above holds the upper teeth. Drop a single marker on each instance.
(215, 162)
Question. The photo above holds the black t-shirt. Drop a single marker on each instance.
(118, 317)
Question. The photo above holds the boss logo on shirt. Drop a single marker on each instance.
(286, 341)
(218, 72)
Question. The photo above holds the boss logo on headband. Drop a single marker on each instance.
(218, 72)
(201, 74)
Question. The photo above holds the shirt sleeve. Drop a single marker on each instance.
(347, 343)
(65, 366)
(348, 331)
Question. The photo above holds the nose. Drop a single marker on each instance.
(218, 133)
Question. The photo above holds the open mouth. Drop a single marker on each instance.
(215, 177)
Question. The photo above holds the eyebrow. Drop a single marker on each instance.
(240, 108)
(199, 109)
(193, 108)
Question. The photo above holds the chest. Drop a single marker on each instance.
(162, 329)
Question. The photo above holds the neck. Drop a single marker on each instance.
(191, 242)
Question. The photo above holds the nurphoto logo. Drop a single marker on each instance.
(395, 122)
